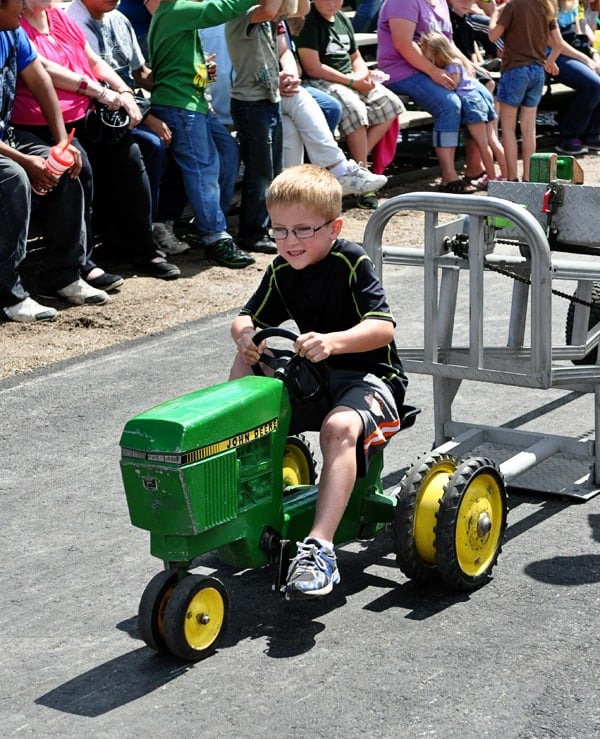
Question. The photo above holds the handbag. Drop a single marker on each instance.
(103, 125)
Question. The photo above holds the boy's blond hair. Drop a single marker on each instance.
(307, 185)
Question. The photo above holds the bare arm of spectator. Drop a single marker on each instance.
(143, 77)
(403, 33)
(268, 10)
(39, 82)
(65, 79)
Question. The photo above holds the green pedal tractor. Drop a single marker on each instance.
(225, 469)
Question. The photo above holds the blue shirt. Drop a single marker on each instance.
(16, 53)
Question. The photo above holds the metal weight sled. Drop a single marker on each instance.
(471, 245)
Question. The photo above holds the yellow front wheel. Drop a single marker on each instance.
(195, 617)
(471, 523)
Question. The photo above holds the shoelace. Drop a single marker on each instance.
(169, 238)
(228, 248)
(310, 554)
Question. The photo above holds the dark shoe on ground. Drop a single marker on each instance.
(29, 310)
(104, 281)
(166, 240)
(573, 147)
(457, 187)
(313, 571)
(367, 201)
(264, 245)
(162, 269)
(228, 254)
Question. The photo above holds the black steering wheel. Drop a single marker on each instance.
(305, 381)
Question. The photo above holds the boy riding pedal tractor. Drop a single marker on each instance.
(329, 287)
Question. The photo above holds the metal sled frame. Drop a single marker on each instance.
(529, 461)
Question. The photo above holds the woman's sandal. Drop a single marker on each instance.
(458, 187)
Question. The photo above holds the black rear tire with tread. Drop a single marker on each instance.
(474, 496)
(590, 357)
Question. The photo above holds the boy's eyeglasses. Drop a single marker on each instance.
(301, 232)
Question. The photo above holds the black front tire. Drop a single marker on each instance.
(151, 611)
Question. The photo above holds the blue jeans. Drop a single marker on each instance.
(331, 107)
(444, 105)
(195, 152)
(582, 119)
(259, 127)
(154, 153)
(229, 159)
(521, 86)
(365, 18)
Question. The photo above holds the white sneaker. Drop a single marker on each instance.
(29, 310)
(359, 180)
(166, 240)
(80, 293)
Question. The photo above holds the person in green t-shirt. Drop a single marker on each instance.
(331, 60)
(178, 98)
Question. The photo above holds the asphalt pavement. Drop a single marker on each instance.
(381, 657)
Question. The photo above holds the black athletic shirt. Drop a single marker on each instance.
(334, 294)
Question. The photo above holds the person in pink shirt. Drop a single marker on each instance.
(113, 176)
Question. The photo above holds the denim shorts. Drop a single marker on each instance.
(521, 86)
(478, 106)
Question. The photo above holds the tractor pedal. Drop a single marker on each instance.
(282, 565)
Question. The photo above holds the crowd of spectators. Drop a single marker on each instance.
(160, 102)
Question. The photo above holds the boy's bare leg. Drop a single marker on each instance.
(339, 434)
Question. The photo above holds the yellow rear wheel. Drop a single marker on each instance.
(471, 523)
(299, 465)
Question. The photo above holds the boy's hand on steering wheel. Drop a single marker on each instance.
(313, 346)
(247, 349)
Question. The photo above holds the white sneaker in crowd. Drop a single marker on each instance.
(166, 240)
(80, 293)
(29, 310)
(359, 180)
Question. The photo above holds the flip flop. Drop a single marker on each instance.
(457, 187)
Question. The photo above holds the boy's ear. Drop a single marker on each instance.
(336, 226)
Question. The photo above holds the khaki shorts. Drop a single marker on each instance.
(374, 402)
(362, 109)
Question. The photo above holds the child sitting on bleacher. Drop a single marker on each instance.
(331, 60)
(477, 102)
